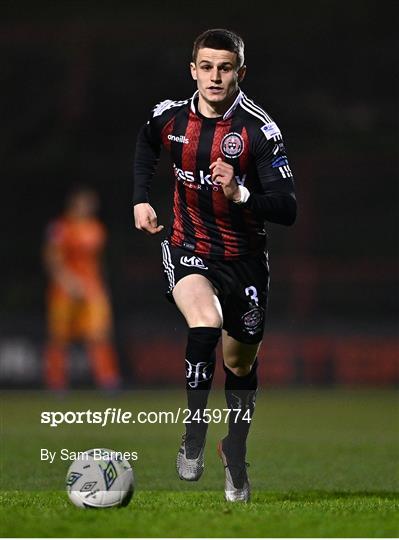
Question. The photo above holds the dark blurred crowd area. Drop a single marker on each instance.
(78, 79)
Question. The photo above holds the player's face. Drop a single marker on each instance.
(217, 75)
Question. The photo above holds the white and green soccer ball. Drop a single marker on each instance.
(100, 478)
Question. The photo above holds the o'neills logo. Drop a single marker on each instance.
(180, 138)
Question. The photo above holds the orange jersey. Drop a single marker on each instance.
(80, 243)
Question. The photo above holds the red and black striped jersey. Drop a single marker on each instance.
(204, 220)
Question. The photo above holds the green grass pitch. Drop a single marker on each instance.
(323, 463)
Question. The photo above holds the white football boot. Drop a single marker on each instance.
(236, 487)
(190, 461)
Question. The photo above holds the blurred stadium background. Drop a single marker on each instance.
(77, 81)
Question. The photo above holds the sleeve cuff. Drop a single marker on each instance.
(244, 195)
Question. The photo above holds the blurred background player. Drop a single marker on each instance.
(78, 305)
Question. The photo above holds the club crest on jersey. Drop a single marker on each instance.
(232, 145)
(197, 262)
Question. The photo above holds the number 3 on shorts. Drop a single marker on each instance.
(252, 293)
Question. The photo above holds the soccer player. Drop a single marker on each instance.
(77, 301)
(231, 175)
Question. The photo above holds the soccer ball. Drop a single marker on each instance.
(100, 478)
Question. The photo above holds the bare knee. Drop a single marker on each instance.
(209, 319)
(239, 357)
(239, 361)
(239, 368)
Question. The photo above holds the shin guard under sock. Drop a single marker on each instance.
(240, 395)
(200, 367)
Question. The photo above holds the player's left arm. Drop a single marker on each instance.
(277, 203)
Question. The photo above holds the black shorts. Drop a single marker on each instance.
(242, 287)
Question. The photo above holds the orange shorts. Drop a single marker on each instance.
(70, 318)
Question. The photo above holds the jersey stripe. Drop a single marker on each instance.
(256, 108)
(167, 130)
(182, 228)
(240, 215)
(214, 248)
(201, 239)
(261, 117)
(221, 205)
(243, 219)
(243, 160)
(177, 227)
(168, 265)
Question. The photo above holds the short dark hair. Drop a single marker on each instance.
(220, 39)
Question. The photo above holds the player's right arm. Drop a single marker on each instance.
(148, 149)
(145, 218)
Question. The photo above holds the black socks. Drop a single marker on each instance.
(240, 395)
(200, 367)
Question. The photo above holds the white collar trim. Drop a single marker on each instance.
(228, 113)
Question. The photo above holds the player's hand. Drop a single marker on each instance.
(145, 219)
(223, 175)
